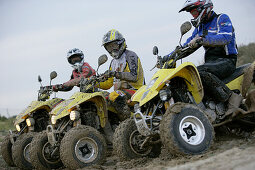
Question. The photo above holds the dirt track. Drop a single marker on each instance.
(228, 152)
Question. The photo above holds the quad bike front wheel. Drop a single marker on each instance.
(127, 142)
(20, 151)
(185, 129)
(44, 155)
(6, 151)
(82, 146)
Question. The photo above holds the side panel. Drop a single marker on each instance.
(138, 94)
(236, 84)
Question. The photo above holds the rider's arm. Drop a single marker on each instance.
(63, 87)
(132, 64)
(87, 71)
(224, 34)
(188, 52)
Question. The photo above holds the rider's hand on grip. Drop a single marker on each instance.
(109, 73)
(57, 87)
(195, 42)
(84, 81)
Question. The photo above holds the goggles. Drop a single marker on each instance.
(75, 59)
(113, 46)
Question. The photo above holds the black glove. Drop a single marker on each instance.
(57, 87)
(165, 58)
(195, 42)
(109, 73)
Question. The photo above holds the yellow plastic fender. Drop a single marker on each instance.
(187, 71)
(78, 98)
(37, 105)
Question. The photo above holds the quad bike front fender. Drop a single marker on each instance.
(99, 100)
(37, 105)
(187, 71)
(78, 98)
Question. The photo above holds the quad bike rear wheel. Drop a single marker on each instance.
(185, 129)
(82, 146)
(20, 151)
(44, 155)
(127, 142)
(6, 151)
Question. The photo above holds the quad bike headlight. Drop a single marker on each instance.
(74, 115)
(53, 120)
(30, 122)
(165, 94)
(18, 128)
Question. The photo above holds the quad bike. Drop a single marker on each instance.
(172, 109)
(32, 119)
(79, 131)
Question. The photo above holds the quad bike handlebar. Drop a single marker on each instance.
(88, 85)
(44, 93)
(168, 62)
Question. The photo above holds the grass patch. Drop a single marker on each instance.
(6, 125)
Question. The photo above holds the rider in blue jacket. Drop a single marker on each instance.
(216, 34)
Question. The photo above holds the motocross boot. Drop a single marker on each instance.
(233, 103)
(122, 108)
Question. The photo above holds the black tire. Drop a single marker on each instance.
(185, 129)
(125, 145)
(6, 151)
(20, 148)
(41, 151)
(86, 138)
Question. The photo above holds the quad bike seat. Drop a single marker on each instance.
(238, 72)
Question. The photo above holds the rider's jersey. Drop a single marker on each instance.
(131, 72)
(86, 71)
(219, 38)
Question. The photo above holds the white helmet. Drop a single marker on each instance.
(203, 8)
(75, 52)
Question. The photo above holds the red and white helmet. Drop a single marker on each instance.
(78, 54)
(199, 9)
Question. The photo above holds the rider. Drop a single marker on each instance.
(216, 34)
(81, 70)
(125, 72)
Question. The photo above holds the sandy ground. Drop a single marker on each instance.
(228, 153)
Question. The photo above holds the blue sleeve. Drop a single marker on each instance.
(195, 32)
(224, 33)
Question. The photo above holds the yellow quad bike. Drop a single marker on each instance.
(32, 119)
(78, 129)
(171, 110)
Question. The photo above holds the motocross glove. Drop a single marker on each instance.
(109, 74)
(195, 42)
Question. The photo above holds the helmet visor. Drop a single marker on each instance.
(112, 47)
(75, 59)
(195, 13)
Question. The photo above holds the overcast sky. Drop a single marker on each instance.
(35, 36)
